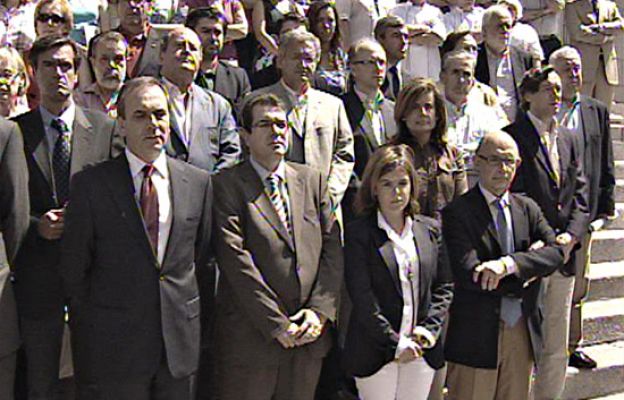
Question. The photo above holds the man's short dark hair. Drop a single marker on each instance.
(212, 13)
(387, 22)
(451, 41)
(292, 17)
(268, 100)
(532, 81)
(52, 42)
(131, 86)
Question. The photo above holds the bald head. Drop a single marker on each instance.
(497, 159)
(181, 56)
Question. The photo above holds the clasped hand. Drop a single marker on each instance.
(305, 327)
(51, 224)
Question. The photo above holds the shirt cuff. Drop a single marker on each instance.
(404, 343)
(427, 339)
(510, 265)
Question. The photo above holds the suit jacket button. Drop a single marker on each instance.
(162, 278)
(559, 207)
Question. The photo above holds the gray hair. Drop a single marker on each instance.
(459, 56)
(515, 5)
(496, 10)
(565, 52)
(298, 36)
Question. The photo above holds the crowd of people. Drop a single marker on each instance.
(297, 200)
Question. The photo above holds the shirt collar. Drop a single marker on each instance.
(136, 164)
(491, 198)
(541, 127)
(264, 173)
(67, 116)
(407, 227)
(174, 91)
(293, 95)
(366, 100)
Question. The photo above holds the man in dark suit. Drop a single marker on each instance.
(60, 139)
(391, 33)
(204, 132)
(500, 65)
(370, 114)
(137, 234)
(551, 174)
(278, 249)
(588, 119)
(229, 81)
(500, 245)
(14, 211)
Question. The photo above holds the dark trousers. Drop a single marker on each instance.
(42, 340)
(161, 386)
(7, 376)
(294, 378)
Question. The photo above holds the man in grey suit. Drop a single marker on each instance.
(60, 139)
(320, 135)
(279, 253)
(14, 210)
(203, 129)
(136, 243)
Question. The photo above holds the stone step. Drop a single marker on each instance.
(618, 223)
(618, 396)
(606, 245)
(603, 321)
(606, 379)
(619, 190)
(606, 280)
(618, 149)
(619, 168)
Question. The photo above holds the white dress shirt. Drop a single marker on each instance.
(502, 81)
(404, 249)
(362, 15)
(421, 61)
(458, 20)
(374, 114)
(551, 24)
(160, 179)
(548, 136)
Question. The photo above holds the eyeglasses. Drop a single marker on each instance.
(493, 160)
(54, 18)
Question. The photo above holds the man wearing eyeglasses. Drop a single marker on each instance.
(60, 139)
(370, 114)
(278, 250)
(552, 174)
(500, 245)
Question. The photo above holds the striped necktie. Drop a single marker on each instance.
(277, 199)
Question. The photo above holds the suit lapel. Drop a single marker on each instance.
(518, 222)
(483, 215)
(38, 144)
(296, 194)
(261, 202)
(589, 120)
(540, 155)
(180, 196)
(384, 246)
(424, 251)
(200, 106)
(120, 184)
(82, 141)
(563, 148)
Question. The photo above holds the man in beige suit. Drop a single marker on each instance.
(592, 26)
(320, 134)
(278, 250)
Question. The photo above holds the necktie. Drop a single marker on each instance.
(61, 156)
(275, 195)
(550, 143)
(395, 82)
(511, 308)
(149, 206)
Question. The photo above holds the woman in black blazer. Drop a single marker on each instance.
(399, 280)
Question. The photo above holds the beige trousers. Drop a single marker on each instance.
(581, 290)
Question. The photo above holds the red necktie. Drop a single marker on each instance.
(149, 206)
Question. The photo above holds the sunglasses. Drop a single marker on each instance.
(55, 19)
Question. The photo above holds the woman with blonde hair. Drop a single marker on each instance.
(398, 277)
(14, 83)
(420, 116)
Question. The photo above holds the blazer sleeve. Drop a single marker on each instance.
(573, 22)
(579, 215)
(261, 304)
(77, 244)
(326, 292)
(441, 287)
(460, 177)
(606, 188)
(229, 141)
(359, 285)
(343, 158)
(544, 261)
(14, 201)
